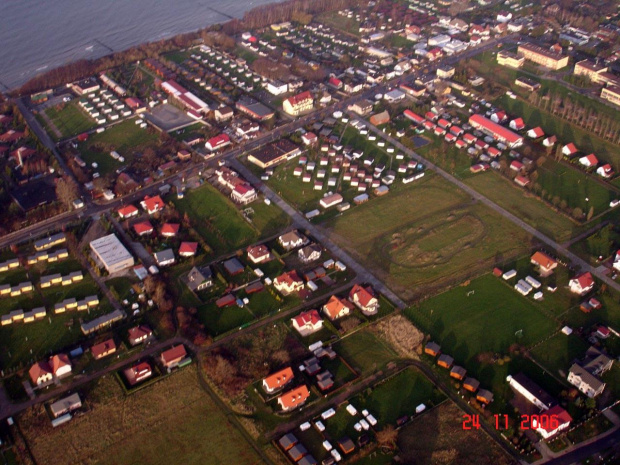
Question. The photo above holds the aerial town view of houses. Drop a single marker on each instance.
(360, 231)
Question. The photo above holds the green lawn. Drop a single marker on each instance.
(70, 119)
(268, 219)
(399, 396)
(127, 138)
(221, 320)
(609, 314)
(574, 186)
(557, 353)
(418, 246)
(526, 206)
(216, 219)
(364, 351)
(484, 321)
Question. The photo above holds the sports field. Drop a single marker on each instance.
(487, 315)
(120, 429)
(425, 236)
(69, 119)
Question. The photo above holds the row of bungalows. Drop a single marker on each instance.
(102, 322)
(10, 264)
(49, 257)
(49, 242)
(26, 317)
(15, 291)
(56, 278)
(458, 372)
(74, 304)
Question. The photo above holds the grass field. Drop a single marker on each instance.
(69, 119)
(416, 245)
(54, 332)
(455, 320)
(437, 437)
(399, 396)
(216, 219)
(364, 351)
(525, 206)
(221, 320)
(126, 138)
(185, 427)
(574, 186)
(558, 352)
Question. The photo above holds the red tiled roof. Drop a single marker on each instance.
(311, 316)
(300, 98)
(59, 361)
(334, 306)
(127, 211)
(362, 295)
(39, 369)
(279, 379)
(153, 204)
(218, 140)
(105, 347)
(562, 415)
(143, 227)
(585, 280)
(501, 131)
(294, 397)
(174, 354)
(571, 148)
(188, 248)
(170, 229)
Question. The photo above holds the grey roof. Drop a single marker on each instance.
(198, 276)
(534, 389)
(233, 266)
(307, 460)
(596, 362)
(586, 377)
(433, 346)
(288, 440)
(164, 255)
(67, 403)
(297, 451)
(458, 370)
(473, 382)
(487, 395)
(446, 359)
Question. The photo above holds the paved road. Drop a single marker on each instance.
(301, 221)
(560, 249)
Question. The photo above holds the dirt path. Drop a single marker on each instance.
(51, 125)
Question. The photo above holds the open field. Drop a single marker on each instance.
(70, 119)
(55, 331)
(216, 219)
(399, 396)
(221, 320)
(126, 138)
(455, 320)
(416, 245)
(574, 186)
(437, 437)
(526, 206)
(128, 428)
(364, 351)
(558, 352)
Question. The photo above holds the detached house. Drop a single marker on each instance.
(172, 357)
(152, 204)
(127, 212)
(259, 254)
(294, 398)
(337, 308)
(139, 334)
(589, 161)
(40, 373)
(581, 284)
(364, 299)
(307, 322)
(309, 253)
(584, 375)
(278, 380)
(544, 262)
(288, 283)
(199, 278)
(291, 240)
